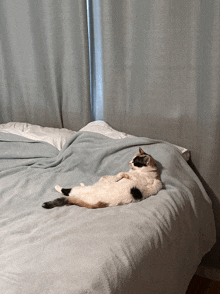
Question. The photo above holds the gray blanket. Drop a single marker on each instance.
(153, 246)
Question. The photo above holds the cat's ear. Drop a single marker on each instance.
(141, 151)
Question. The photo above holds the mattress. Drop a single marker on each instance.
(153, 246)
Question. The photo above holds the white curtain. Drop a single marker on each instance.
(44, 62)
(161, 73)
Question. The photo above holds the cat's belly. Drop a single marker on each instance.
(111, 193)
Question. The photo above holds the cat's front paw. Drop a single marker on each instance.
(121, 176)
(106, 178)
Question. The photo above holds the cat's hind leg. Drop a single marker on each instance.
(63, 191)
(58, 189)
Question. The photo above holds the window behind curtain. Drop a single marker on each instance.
(95, 56)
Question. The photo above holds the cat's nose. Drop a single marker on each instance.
(130, 163)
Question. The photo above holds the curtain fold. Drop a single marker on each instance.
(44, 63)
(161, 62)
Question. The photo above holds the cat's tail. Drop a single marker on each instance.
(72, 201)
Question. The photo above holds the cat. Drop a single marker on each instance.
(140, 182)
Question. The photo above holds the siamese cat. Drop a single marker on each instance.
(140, 182)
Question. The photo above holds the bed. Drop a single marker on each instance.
(153, 246)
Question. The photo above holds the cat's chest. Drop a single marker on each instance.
(140, 177)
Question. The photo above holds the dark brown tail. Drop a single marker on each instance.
(72, 201)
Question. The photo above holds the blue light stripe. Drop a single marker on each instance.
(95, 56)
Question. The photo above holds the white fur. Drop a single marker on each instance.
(115, 190)
(58, 188)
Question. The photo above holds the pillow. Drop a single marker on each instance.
(103, 128)
(54, 136)
(58, 137)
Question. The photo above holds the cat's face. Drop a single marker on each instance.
(142, 159)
